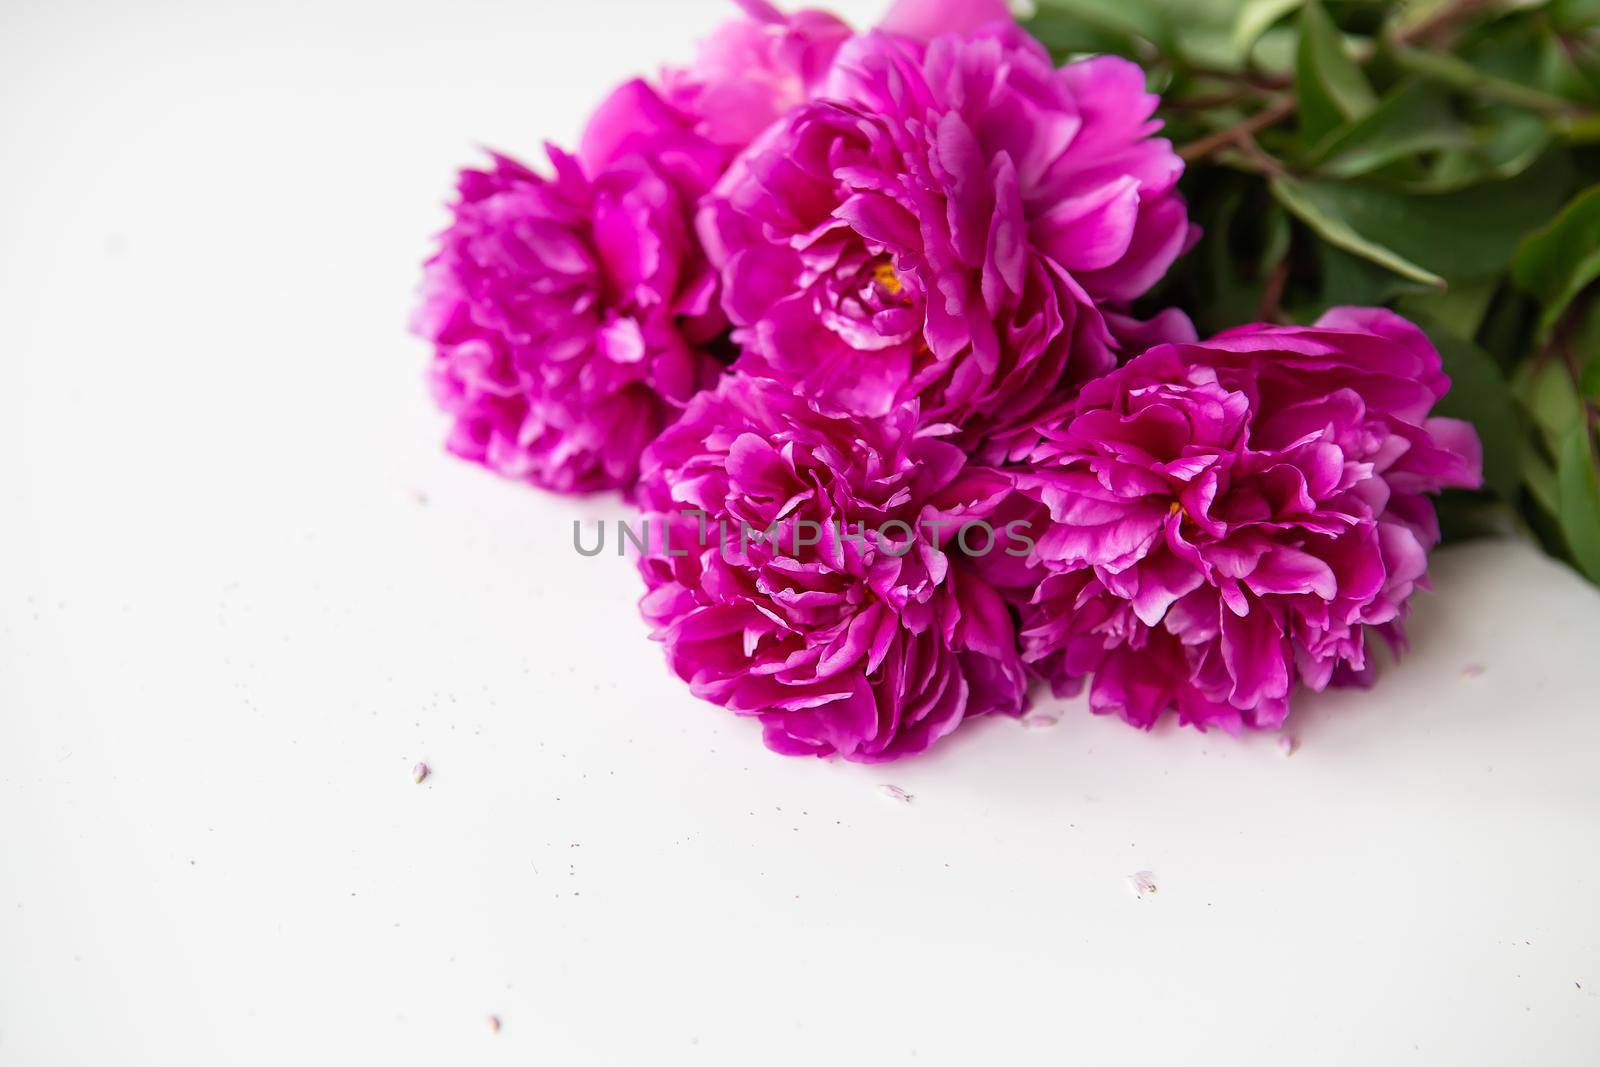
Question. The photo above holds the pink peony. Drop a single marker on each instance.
(946, 224)
(573, 314)
(751, 70)
(813, 570)
(568, 315)
(1226, 518)
(923, 20)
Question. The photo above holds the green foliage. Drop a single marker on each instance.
(1441, 157)
(1559, 261)
(1333, 94)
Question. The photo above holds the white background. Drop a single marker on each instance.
(242, 592)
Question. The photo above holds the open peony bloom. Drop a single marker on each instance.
(946, 223)
(813, 570)
(1227, 518)
(567, 315)
(571, 314)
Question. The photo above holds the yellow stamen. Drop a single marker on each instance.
(885, 276)
(1176, 507)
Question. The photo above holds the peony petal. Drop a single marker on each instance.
(1252, 649)
(923, 20)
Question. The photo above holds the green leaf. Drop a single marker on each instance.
(1583, 342)
(1556, 263)
(1414, 118)
(1505, 147)
(1551, 400)
(1507, 329)
(1256, 17)
(1479, 394)
(1274, 52)
(1066, 35)
(1321, 208)
(1201, 31)
(1575, 16)
(1460, 236)
(1461, 308)
(1578, 491)
(1278, 236)
(1405, 18)
(1229, 298)
(1562, 71)
(1225, 275)
(1459, 74)
(1582, 129)
(1142, 20)
(1331, 88)
(1351, 280)
(1539, 478)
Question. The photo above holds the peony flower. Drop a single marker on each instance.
(923, 20)
(753, 69)
(816, 571)
(947, 223)
(574, 313)
(568, 315)
(1228, 518)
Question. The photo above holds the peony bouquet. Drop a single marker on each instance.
(891, 335)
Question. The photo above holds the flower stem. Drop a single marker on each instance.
(1241, 134)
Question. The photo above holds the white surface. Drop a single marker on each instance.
(229, 626)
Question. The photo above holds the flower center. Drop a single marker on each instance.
(883, 273)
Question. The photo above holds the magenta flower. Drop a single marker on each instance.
(567, 315)
(923, 20)
(814, 571)
(945, 223)
(751, 70)
(1229, 517)
(572, 314)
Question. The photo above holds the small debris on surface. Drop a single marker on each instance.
(1288, 745)
(1039, 718)
(419, 772)
(494, 1024)
(419, 498)
(1142, 884)
(1472, 671)
(894, 792)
